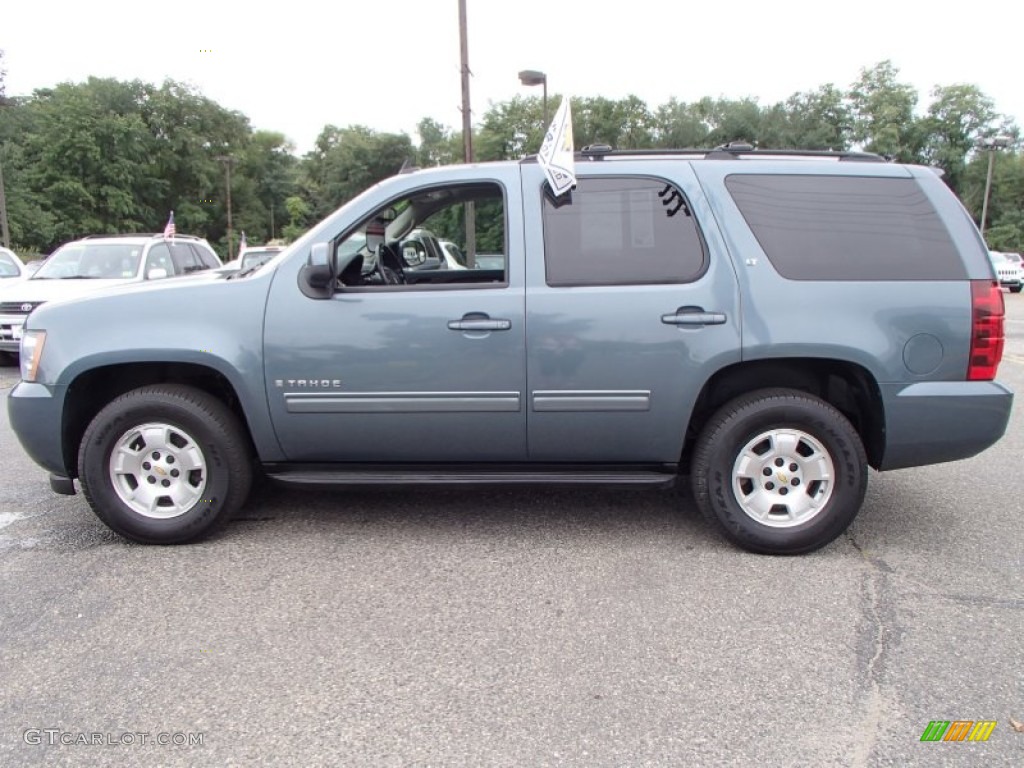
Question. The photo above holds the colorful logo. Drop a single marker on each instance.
(958, 730)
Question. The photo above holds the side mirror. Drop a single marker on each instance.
(316, 278)
(412, 256)
(427, 264)
(156, 273)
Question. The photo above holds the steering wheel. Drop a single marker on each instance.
(391, 273)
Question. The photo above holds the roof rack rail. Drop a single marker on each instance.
(729, 151)
(118, 234)
(596, 151)
(137, 234)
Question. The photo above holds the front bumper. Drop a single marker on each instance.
(935, 421)
(35, 414)
(11, 328)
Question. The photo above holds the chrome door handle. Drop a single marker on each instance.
(481, 324)
(694, 317)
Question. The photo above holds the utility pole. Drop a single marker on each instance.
(228, 160)
(988, 189)
(467, 133)
(5, 233)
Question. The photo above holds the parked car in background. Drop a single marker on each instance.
(31, 267)
(489, 261)
(257, 255)
(11, 267)
(1016, 258)
(453, 255)
(82, 266)
(1008, 270)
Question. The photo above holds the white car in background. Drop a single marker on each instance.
(11, 267)
(1008, 270)
(452, 255)
(258, 255)
(82, 266)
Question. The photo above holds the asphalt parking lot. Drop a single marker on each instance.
(517, 628)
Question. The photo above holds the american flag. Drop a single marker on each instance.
(169, 230)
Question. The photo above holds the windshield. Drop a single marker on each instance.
(91, 260)
(7, 266)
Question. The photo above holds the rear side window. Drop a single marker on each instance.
(206, 257)
(846, 227)
(185, 260)
(621, 231)
(160, 258)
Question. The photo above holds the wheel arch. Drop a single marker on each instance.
(91, 390)
(847, 386)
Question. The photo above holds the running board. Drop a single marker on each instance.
(333, 475)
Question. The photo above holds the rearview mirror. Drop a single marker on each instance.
(374, 237)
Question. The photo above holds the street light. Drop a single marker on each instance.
(533, 77)
(991, 144)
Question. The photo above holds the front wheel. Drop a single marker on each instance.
(165, 464)
(779, 471)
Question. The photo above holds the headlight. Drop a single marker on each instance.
(31, 352)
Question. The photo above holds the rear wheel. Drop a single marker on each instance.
(165, 464)
(779, 471)
(1016, 288)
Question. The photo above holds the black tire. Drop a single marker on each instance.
(821, 438)
(195, 421)
(1016, 288)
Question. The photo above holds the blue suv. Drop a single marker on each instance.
(769, 324)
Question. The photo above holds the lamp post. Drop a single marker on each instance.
(533, 77)
(991, 144)
(467, 132)
(5, 233)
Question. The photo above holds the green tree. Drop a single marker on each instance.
(345, 161)
(513, 129)
(677, 125)
(298, 217)
(1007, 233)
(438, 144)
(623, 123)
(195, 137)
(883, 113)
(730, 120)
(958, 116)
(818, 119)
(265, 173)
(105, 156)
(89, 154)
(1005, 230)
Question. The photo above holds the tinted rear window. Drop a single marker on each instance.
(621, 231)
(846, 227)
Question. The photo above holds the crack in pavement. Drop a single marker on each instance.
(881, 631)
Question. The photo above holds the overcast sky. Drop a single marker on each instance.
(296, 66)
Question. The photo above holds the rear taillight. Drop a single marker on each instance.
(986, 330)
